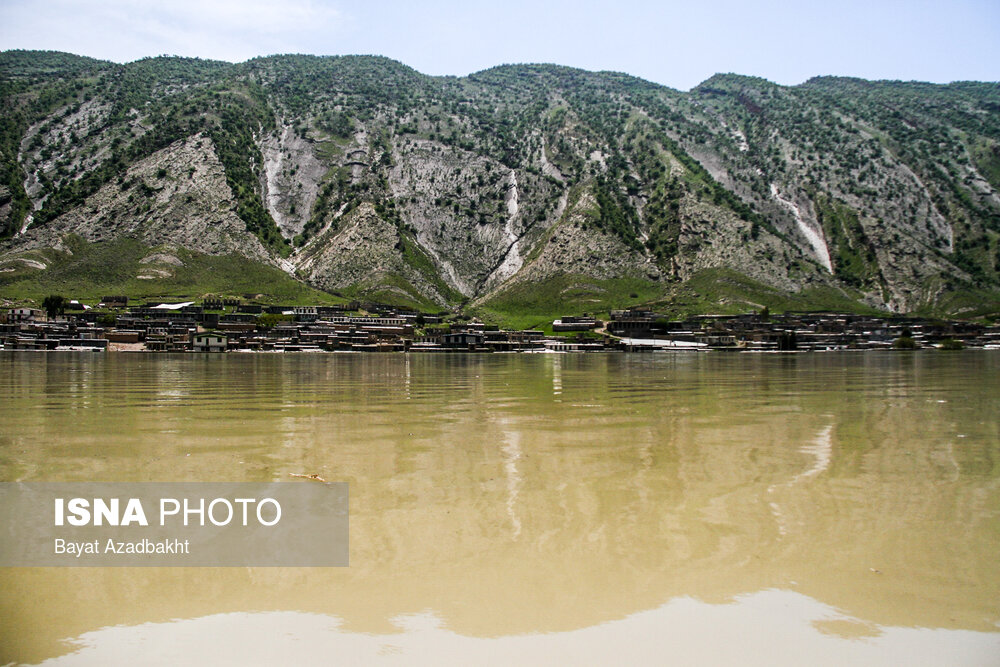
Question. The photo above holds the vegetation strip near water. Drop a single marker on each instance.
(87, 271)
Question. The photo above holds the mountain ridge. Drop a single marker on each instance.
(886, 192)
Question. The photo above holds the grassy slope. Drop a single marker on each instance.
(535, 305)
(396, 290)
(723, 291)
(967, 303)
(97, 269)
(718, 291)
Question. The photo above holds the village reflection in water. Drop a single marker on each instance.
(537, 507)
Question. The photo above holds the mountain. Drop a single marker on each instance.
(519, 189)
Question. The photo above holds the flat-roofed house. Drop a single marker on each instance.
(209, 342)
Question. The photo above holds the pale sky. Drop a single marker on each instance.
(678, 44)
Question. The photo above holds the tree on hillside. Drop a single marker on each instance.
(55, 304)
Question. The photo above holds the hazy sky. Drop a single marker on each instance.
(678, 44)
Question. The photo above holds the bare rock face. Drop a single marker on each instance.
(178, 195)
(576, 248)
(6, 206)
(364, 252)
(467, 210)
(291, 177)
(161, 258)
(712, 237)
(441, 195)
(65, 145)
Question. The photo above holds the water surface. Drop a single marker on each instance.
(710, 508)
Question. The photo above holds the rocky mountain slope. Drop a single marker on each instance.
(360, 176)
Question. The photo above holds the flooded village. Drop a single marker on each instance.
(237, 326)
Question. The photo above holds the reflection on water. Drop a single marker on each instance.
(538, 507)
(512, 452)
(821, 448)
(765, 628)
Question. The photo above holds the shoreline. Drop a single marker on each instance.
(148, 329)
(138, 349)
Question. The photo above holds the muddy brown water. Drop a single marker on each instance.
(689, 508)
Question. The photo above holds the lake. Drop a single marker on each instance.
(688, 508)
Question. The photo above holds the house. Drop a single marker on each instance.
(209, 342)
(114, 301)
(568, 323)
(26, 315)
(466, 340)
(215, 303)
